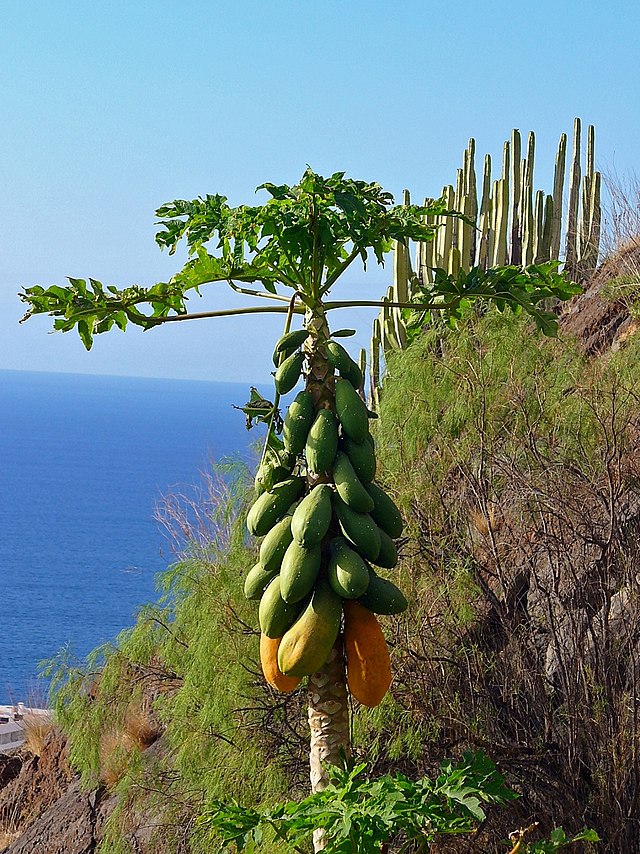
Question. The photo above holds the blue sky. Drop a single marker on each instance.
(110, 109)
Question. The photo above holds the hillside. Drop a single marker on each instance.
(514, 460)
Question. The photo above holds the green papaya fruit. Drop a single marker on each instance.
(274, 614)
(388, 554)
(354, 375)
(312, 516)
(289, 372)
(362, 457)
(383, 597)
(297, 423)
(288, 344)
(322, 442)
(275, 544)
(270, 472)
(256, 581)
(340, 359)
(385, 513)
(305, 647)
(349, 487)
(343, 333)
(351, 411)
(272, 505)
(358, 528)
(299, 570)
(347, 572)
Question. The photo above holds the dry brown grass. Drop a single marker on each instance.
(139, 726)
(622, 214)
(621, 238)
(9, 829)
(117, 748)
(7, 837)
(485, 521)
(36, 729)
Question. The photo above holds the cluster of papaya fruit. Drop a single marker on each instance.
(326, 524)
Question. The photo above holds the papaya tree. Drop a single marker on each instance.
(328, 528)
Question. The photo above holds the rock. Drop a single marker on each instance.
(601, 317)
(65, 828)
(10, 765)
(39, 783)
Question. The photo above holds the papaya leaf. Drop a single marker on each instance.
(360, 815)
(511, 288)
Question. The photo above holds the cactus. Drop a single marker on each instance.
(458, 202)
(538, 226)
(571, 251)
(515, 224)
(501, 211)
(544, 246)
(453, 265)
(445, 233)
(558, 186)
(528, 228)
(591, 244)
(482, 244)
(471, 197)
(466, 234)
(515, 254)
(589, 220)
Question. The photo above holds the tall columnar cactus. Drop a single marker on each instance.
(444, 236)
(533, 227)
(558, 189)
(527, 203)
(516, 181)
(571, 250)
(515, 223)
(588, 228)
(483, 249)
(501, 212)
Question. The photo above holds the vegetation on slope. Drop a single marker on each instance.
(512, 460)
(185, 679)
(515, 461)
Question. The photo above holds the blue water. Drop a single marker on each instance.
(83, 462)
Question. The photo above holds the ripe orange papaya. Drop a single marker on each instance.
(368, 663)
(269, 661)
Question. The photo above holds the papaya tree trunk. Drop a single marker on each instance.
(328, 717)
(328, 700)
(329, 723)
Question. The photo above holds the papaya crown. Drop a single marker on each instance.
(301, 240)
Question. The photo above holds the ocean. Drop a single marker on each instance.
(84, 462)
